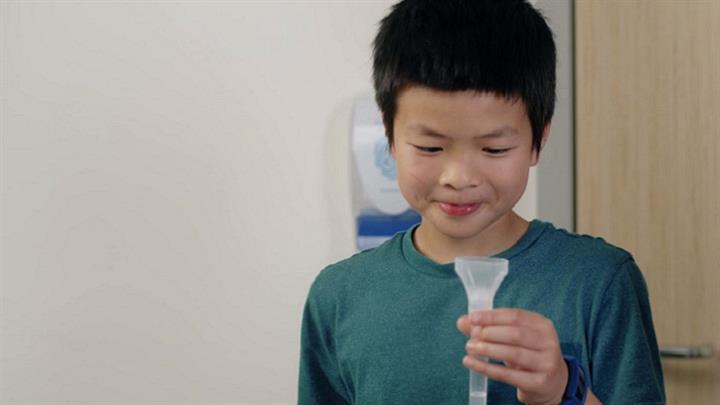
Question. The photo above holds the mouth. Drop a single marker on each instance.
(458, 210)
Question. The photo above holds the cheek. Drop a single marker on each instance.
(414, 178)
(512, 180)
(418, 173)
(418, 178)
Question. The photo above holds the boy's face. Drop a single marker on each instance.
(462, 157)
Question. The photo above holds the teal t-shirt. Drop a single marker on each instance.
(380, 326)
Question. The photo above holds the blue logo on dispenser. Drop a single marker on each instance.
(383, 160)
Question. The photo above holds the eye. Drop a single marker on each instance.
(427, 149)
(496, 151)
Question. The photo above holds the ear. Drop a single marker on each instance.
(543, 141)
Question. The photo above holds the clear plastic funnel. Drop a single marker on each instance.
(481, 277)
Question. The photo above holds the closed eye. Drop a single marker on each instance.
(427, 149)
(496, 151)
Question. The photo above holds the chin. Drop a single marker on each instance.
(459, 228)
(463, 232)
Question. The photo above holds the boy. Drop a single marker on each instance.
(467, 92)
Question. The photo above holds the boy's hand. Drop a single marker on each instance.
(528, 345)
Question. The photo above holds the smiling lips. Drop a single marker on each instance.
(458, 210)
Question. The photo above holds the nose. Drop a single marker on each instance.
(459, 173)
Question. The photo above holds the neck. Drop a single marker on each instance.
(496, 238)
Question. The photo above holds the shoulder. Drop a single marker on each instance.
(582, 249)
(592, 264)
(361, 266)
(584, 261)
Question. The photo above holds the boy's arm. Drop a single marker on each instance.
(319, 378)
(624, 348)
(592, 399)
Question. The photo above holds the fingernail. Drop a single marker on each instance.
(471, 362)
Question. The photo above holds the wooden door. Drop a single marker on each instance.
(648, 171)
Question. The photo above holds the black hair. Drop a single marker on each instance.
(503, 47)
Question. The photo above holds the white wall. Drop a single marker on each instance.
(173, 177)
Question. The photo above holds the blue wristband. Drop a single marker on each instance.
(576, 389)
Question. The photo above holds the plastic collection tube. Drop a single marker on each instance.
(481, 277)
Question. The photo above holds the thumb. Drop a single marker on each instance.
(463, 325)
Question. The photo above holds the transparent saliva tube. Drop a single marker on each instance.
(481, 277)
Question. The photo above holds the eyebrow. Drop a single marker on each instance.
(498, 133)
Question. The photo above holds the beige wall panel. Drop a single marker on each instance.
(648, 178)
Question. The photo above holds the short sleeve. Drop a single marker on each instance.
(625, 363)
(319, 379)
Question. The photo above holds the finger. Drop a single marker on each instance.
(511, 365)
(519, 378)
(520, 358)
(463, 325)
(515, 336)
(512, 317)
(504, 316)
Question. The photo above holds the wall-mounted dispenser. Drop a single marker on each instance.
(380, 210)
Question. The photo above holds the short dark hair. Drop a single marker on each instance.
(498, 46)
